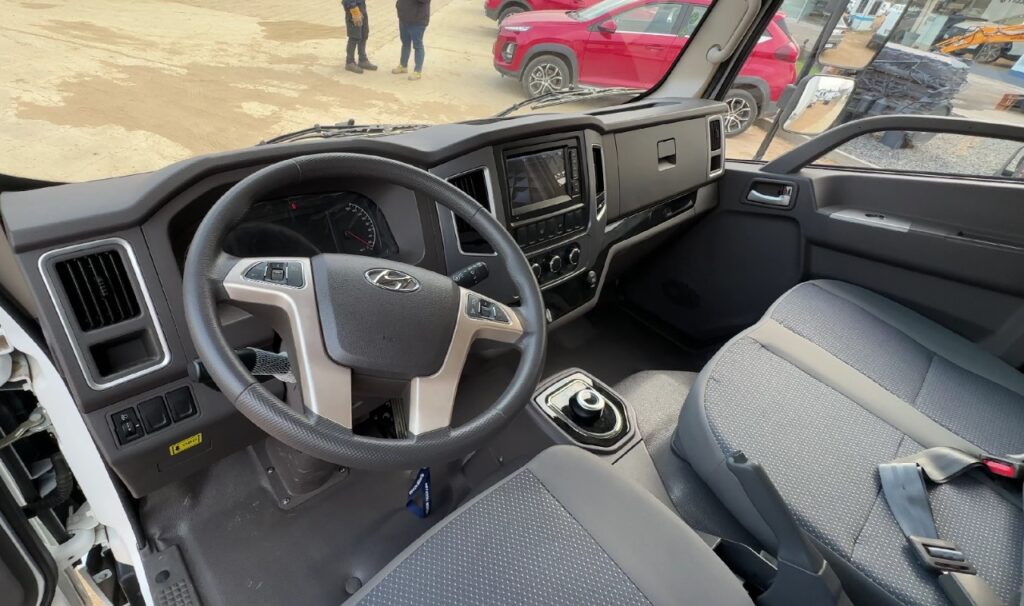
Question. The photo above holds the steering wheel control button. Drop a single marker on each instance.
(154, 414)
(127, 426)
(181, 404)
(285, 273)
(485, 309)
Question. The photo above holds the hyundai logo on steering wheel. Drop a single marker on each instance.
(392, 279)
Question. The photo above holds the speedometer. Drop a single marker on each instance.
(354, 230)
(305, 225)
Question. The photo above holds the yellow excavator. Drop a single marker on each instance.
(982, 38)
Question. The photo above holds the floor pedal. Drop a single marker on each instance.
(169, 579)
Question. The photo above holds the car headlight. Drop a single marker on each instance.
(516, 29)
(509, 52)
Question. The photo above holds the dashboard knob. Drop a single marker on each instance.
(535, 268)
(574, 256)
(555, 264)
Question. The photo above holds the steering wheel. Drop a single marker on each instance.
(347, 315)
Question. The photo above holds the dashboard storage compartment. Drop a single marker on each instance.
(656, 163)
(123, 353)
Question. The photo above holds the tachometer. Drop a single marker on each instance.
(305, 225)
(355, 230)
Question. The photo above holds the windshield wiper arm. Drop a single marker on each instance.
(567, 96)
(342, 129)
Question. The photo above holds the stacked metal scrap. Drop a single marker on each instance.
(904, 80)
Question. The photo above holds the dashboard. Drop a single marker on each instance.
(305, 225)
(579, 193)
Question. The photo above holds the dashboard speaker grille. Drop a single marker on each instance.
(473, 183)
(99, 289)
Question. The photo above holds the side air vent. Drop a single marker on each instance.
(716, 147)
(715, 127)
(99, 293)
(98, 289)
(475, 184)
(599, 185)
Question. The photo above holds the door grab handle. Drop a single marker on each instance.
(758, 197)
(718, 53)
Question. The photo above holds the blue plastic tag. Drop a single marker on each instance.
(419, 494)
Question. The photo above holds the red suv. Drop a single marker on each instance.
(633, 43)
(499, 9)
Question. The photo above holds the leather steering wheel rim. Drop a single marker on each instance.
(311, 433)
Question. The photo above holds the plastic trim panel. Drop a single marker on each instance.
(165, 352)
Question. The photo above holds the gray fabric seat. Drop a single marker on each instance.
(565, 529)
(831, 382)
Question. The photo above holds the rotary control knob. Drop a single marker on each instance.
(574, 256)
(535, 268)
(555, 264)
(586, 405)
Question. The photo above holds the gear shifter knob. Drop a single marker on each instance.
(587, 405)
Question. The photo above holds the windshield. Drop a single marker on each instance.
(106, 87)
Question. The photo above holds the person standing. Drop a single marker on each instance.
(413, 18)
(357, 27)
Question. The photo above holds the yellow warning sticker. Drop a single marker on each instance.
(182, 446)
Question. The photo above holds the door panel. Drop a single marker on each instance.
(28, 575)
(950, 248)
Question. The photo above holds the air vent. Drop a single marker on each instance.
(473, 183)
(598, 170)
(98, 289)
(715, 126)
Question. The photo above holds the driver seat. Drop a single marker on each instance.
(565, 529)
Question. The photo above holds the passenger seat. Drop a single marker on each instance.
(835, 380)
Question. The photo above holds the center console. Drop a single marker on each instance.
(586, 411)
(545, 203)
(574, 200)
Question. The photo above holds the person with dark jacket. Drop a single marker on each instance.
(357, 27)
(413, 18)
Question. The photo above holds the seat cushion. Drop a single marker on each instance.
(564, 529)
(835, 380)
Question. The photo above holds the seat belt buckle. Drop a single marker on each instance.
(1004, 468)
(941, 556)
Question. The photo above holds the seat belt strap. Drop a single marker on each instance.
(942, 464)
(903, 485)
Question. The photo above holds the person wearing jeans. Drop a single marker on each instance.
(357, 27)
(413, 18)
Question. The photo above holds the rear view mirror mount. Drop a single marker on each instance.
(856, 38)
(820, 101)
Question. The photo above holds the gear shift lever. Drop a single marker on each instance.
(587, 405)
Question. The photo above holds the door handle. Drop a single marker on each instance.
(782, 199)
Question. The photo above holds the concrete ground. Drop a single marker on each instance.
(95, 88)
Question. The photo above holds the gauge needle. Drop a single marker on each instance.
(355, 237)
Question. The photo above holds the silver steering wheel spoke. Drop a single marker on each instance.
(432, 398)
(283, 288)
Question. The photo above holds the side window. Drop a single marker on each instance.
(938, 153)
(693, 19)
(915, 57)
(649, 19)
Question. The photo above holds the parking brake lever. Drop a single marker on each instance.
(804, 577)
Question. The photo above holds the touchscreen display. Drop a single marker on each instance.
(535, 178)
